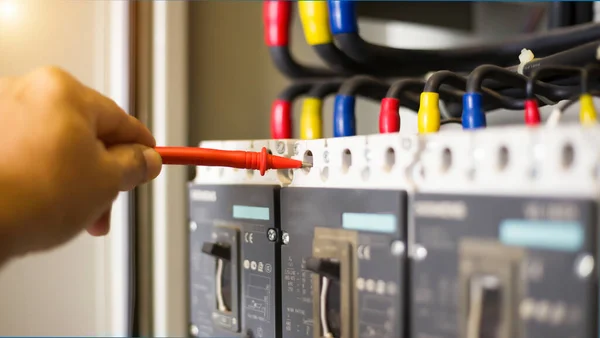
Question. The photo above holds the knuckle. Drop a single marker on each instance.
(52, 81)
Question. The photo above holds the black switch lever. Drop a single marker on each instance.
(324, 267)
(217, 250)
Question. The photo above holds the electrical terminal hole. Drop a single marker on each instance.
(307, 158)
(346, 160)
(503, 158)
(286, 176)
(568, 156)
(390, 159)
(325, 174)
(446, 159)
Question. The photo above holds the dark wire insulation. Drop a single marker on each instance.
(549, 71)
(552, 92)
(451, 120)
(324, 89)
(281, 109)
(276, 22)
(294, 90)
(586, 82)
(345, 29)
(495, 99)
(376, 90)
(579, 56)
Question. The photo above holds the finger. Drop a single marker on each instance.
(133, 164)
(114, 125)
(102, 226)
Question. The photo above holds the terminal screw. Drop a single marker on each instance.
(193, 226)
(397, 248)
(296, 146)
(326, 156)
(272, 235)
(194, 330)
(285, 237)
(280, 147)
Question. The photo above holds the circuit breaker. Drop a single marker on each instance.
(234, 254)
(505, 240)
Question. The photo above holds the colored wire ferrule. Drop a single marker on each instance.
(252, 160)
(429, 113)
(315, 22)
(389, 115)
(532, 113)
(587, 111)
(342, 17)
(344, 121)
(276, 17)
(310, 119)
(281, 119)
(473, 117)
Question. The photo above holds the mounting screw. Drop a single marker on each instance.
(193, 226)
(280, 147)
(584, 266)
(420, 252)
(194, 330)
(272, 235)
(326, 156)
(285, 237)
(397, 248)
(296, 146)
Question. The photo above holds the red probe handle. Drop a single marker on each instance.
(261, 161)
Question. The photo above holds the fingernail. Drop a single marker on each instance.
(153, 163)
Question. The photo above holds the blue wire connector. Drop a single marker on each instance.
(473, 117)
(342, 17)
(344, 121)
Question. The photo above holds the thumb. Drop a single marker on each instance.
(135, 164)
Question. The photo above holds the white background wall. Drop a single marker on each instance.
(75, 290)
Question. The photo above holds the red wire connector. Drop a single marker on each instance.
(281, 119)
(253, 160)
(532, 113)
(389, 116)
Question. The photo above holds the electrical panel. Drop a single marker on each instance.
(454, 234)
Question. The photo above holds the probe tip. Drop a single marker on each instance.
(306, 165)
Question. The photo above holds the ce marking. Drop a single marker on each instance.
(249, 237)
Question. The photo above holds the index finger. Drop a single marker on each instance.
(114, 125)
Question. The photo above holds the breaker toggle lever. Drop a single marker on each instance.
(324, 267)
(217, 250)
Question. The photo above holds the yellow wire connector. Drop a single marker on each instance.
(587, 111)
(315, 22)
(310, 119)
(429, 113)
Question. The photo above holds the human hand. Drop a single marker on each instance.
(66, 153)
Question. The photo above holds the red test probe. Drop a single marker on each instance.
(254, 160)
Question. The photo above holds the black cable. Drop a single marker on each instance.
(578, 57)
(560, 14)
(364, 85)
(548, 71)
(475, 79)
(451, 120)
(291, 92)
(324, 89)
(406, 62)
(586, 82)
(491, 99)
(399, 89)
(276, 22)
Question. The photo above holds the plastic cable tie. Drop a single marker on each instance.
(525, 57)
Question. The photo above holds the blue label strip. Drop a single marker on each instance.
(550, 235)
(369, 222)
(247, 212)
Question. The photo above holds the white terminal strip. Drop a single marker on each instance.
(560, 161)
